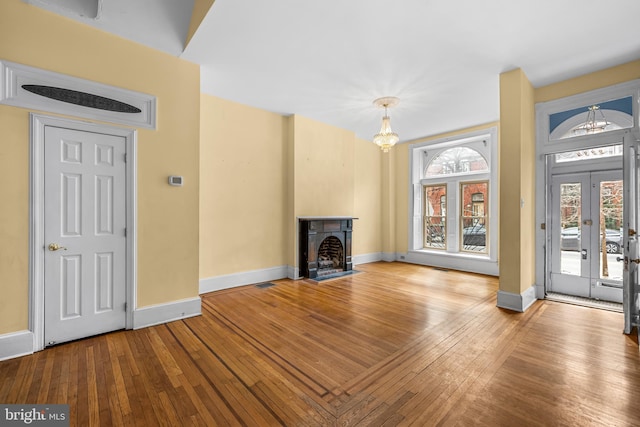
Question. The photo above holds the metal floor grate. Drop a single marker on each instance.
(265, 285)
(585, 302)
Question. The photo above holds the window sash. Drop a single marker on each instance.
(435, 232)
(434, 224)
(474, 226)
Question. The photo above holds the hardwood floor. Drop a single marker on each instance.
(396, 344)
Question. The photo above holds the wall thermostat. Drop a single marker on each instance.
(176, 180)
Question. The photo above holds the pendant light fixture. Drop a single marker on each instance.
(386, 138)
(592, 124)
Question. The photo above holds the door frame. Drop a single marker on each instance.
(596, 287)
(38, 122)
(546, 147)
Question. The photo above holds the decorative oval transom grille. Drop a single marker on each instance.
(83, 99)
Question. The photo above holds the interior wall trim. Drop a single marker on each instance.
(460, 262)
(16, 344)
(15, 77)
(367, 258)
(517, 302)
(167, 312)
(218, 283)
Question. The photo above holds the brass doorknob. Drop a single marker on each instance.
(637, 260)
(55, 247)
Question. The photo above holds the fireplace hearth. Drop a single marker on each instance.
(325, 245)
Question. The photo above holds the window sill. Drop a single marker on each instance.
(482, 264)
(467, 255)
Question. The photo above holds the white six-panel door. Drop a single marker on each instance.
(84, 234)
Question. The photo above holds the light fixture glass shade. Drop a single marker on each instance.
(592, 124)
(386, 138)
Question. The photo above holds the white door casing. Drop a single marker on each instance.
(84, 233)
(82, 290)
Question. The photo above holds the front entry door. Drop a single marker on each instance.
(84, 232)
(631, 282)
(587, 238)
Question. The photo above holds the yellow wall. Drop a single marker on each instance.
(243, 171)
(367, 198)
(599, 79)
(167, 216)
(260, 171)
(392, 197)
(14, 220)
(517, 178)
(200, 10)
(323, 169)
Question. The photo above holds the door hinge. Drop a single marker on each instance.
(125, 232)
(125, 157)
(125, 306)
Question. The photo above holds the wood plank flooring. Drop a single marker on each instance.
(396, 344)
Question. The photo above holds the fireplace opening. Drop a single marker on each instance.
(330, 256)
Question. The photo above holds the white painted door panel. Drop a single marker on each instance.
(85, 216)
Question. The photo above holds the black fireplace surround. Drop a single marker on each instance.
(325, 245)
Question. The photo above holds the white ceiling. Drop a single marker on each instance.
(329, 60)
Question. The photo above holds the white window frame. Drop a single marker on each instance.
(484, 142)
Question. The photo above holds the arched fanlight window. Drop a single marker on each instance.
(455, 201)
(591, 119)
(456, 160)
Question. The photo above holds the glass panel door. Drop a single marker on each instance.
(569, 262)
(586, 239)
(607, 199)
(631, 226)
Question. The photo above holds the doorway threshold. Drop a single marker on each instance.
(585, 302)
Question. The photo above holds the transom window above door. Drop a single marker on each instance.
(592, 118)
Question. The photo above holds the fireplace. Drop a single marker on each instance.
(325, 245)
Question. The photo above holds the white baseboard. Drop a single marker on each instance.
(163, 313)
(366, 258)
(16, 344)
(218, 283)
(517, 302)
(389, 256)
(293, 273)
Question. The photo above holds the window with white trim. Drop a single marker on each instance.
(454, 204)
